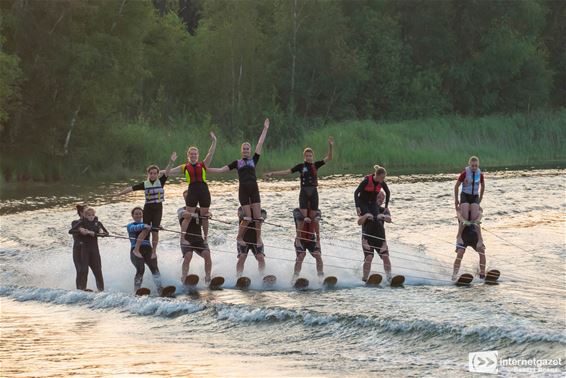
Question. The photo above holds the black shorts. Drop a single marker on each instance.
(198, 195)
(304, 247)
(198, 248)
(308, 198)
(152, 213)
(248, 193)
(375, 247)
(244, 249)
(469, 198)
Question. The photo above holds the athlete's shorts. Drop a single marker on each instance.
(244, 249)
(304, 247)
(152, 213)
(370, 208)
(308, 198)
(248, 193)
(198, 194)
(198, 248)
(469, 198)
(375, 246)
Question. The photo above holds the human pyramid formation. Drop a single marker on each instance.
(370, 196)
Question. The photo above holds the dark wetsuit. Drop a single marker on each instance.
(89, 253)
(308, 197)
(470, 237)
(152, 212)
(194, 242)
(367, 200)
(198, 193)
(374, 233)
(76, 252)
(307, 238)
(250, 238)
(248, 192)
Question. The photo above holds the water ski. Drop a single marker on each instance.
(329, 282)
(397, 281)
(269, 280)
(168, 291)
(88, 290)
(374, 280)
(464, 279)
(243, 283)
(191, 280)
(142, 291)
(492, 276)
(301, 283)
(216, 283)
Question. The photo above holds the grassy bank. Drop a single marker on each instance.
(419, 146)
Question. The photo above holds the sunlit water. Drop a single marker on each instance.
(426, 328)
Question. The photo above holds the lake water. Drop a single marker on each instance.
(427, 328)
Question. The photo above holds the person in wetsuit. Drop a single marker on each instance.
(77, 244)
(248, 191)
(308, 196)
(192, 240)
(194, 171)
(365, 195)
(250, 238)
(145, 255)
(373, 236)
(309, 240)
(88, 230)
(154, 191)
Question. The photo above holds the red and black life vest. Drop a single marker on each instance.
(372, 187)
(195, 173)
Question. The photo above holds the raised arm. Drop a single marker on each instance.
(330, 146)
(170, 164)
(259, 145)
(210, 154)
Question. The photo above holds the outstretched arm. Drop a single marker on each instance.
(330, 146)
(210, 154)
(173, 171)
(224, 169)
(125, 191)
(262, 137)
(278, 173)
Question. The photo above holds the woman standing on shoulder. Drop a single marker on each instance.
(195, 174)
(248, 192)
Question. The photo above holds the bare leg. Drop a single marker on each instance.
(300, 225)
(474, 211)
(481, 251)
(240, 264)
(244, 224)
(260, 263)
(299, 263)
(139, 240)
(154, 241)
(186, 265)
(367, 266)
(387, 266)
(256, 210)
(204, 214)
(207, 264)
(457, 263)
(465, 213)
(319, 264)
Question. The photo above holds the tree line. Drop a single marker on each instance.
(71, 71)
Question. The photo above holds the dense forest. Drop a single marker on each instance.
(83, 81)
